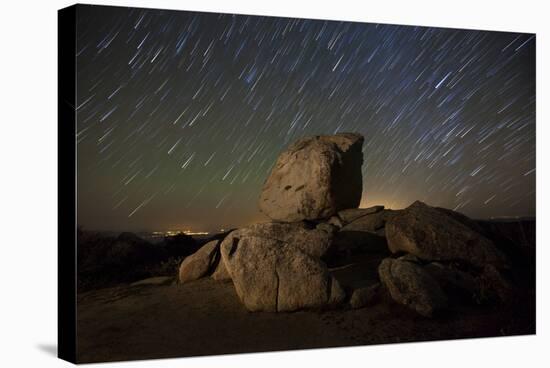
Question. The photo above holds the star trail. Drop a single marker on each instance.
(181, 115)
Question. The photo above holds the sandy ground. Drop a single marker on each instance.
(205, 317)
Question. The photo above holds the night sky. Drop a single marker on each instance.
(181, 115)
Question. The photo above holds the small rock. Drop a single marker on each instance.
(326, 227)
(335, 220)
(364, 296)
(410, 285)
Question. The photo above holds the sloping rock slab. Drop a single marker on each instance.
(352, 214)
(435, 235)
(372, 222)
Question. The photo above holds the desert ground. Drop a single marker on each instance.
(205, 317)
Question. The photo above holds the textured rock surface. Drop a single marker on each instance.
(311, 240)
(314, 178)
(221, 273)
(433, 234)
(272, 275)
(327, 228)
(200, 263)
(335, 220)
(352, 214)
(410, 285)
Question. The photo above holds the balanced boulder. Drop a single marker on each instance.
(315, 178)
(436, 235)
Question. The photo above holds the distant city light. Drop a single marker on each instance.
(156, 234)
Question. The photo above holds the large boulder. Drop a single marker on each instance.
(274, 275)
(199, 263)
(436, 235)
(409, 284)
(314, 178)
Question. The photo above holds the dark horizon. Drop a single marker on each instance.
(181, 115)
(214, 231)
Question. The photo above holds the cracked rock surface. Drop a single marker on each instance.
(277, 276)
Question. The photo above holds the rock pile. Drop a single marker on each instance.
(446, 253)
(279, 266)
(423, 256)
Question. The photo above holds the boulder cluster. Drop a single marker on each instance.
(423, 256)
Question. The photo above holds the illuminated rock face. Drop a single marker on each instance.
(221, 273)
(436, 234)
(277, 267)
(200, 263)
(314, 178)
